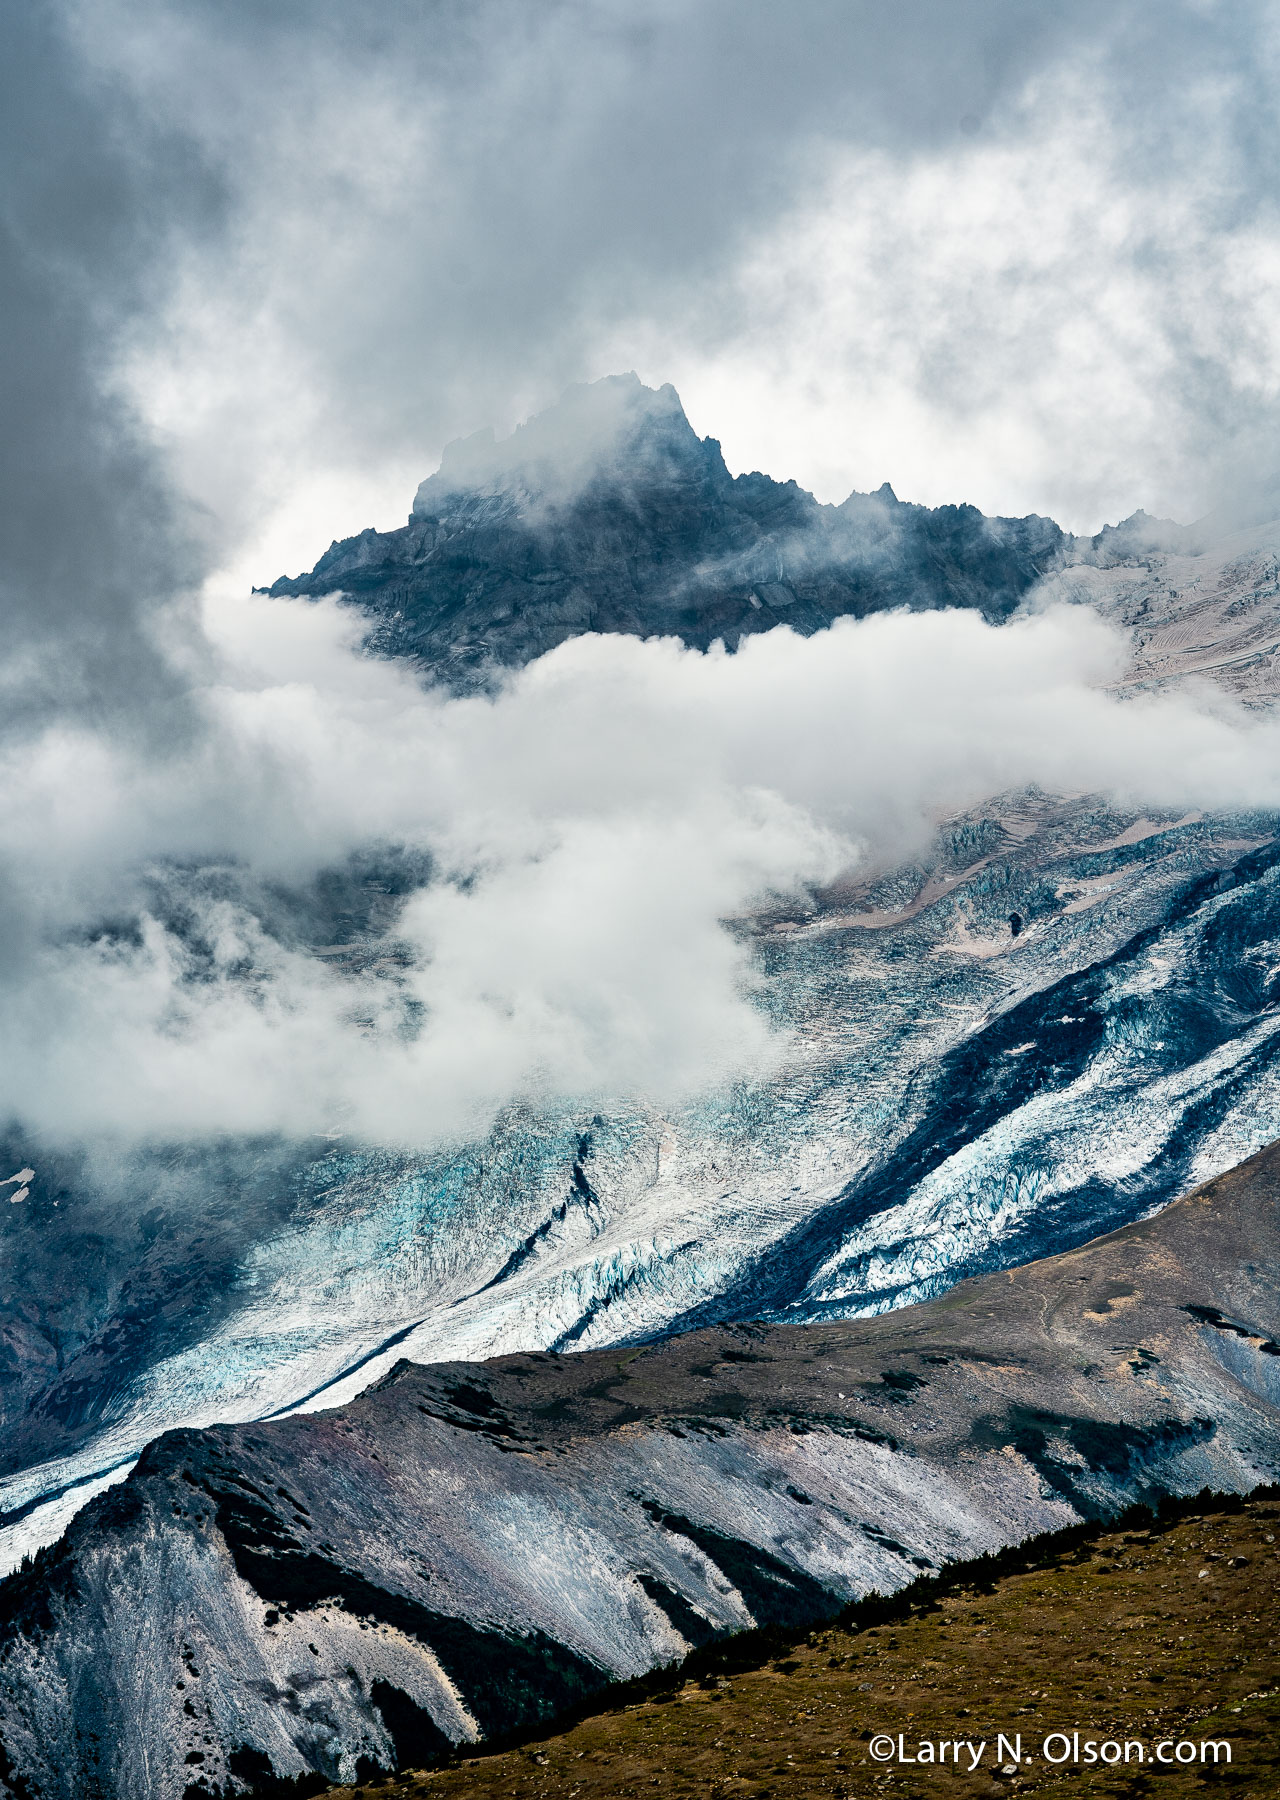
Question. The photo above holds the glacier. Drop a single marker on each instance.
(471, 1549)
(956, 1100)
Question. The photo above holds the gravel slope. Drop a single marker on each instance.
(469, 1548)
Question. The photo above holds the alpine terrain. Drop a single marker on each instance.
(1056, 1020)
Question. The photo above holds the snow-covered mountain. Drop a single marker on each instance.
(1057, 1018)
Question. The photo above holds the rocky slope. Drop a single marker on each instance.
(608, 513)
(1114, 1633)
(469, 1547)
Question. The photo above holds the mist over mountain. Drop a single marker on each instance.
(641, 893)
(452, 995)
(608, 514)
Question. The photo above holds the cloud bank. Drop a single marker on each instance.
(575, 843)
(1074, 312)
(258, 263)
(1023, 256)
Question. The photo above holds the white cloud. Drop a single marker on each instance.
(1050, 317)
(1021, 256)
(590, 827)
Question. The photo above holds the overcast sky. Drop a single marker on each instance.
(261, 259)
(269, 255)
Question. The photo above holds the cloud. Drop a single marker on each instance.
(94, 535)
(579, 841)
(1072, 312)
(261, 262)
(935, 243)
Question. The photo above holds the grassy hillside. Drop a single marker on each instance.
(1166, 1629)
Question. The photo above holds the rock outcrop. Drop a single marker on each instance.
(470, 1547)
(608, 513)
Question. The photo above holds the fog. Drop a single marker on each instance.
(259, 263)
(580, 840)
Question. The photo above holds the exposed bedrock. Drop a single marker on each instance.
(609, 513)
(471, 1546)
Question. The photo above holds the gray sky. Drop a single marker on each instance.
(259, 262)
(1004, 250)
(92, 536)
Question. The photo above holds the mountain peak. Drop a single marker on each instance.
(614, 430)
(608, 513)
(1140, 535)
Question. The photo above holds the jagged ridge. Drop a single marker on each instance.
(473, 1546)
(608, 513)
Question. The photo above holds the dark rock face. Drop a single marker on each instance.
(609, 514)
(471, 1547)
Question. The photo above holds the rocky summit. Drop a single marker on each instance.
(608, 513)
(470, 1548)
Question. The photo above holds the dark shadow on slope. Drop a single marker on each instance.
(978, 1083)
